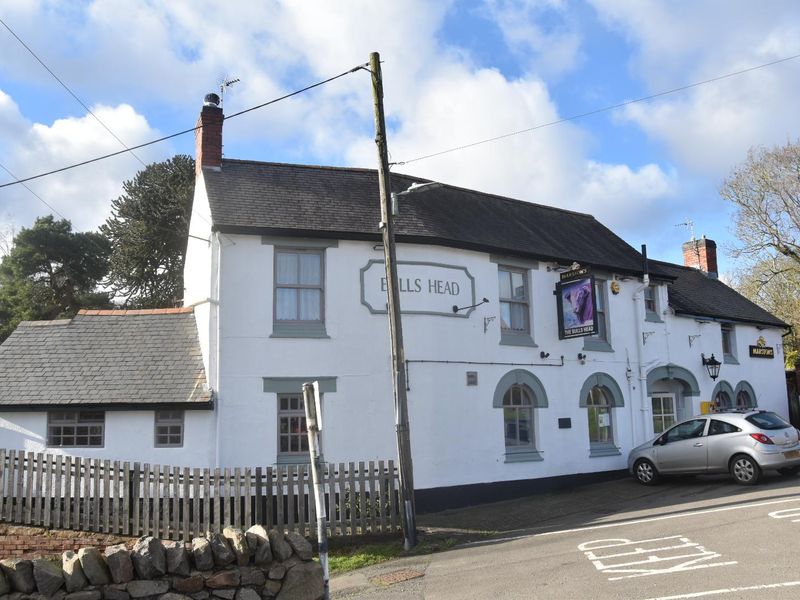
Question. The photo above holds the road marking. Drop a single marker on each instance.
(786, 513)
(652, 551)
(664, 517)
(750, 588)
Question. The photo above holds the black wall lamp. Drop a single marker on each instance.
(712, 365)
(456, 308)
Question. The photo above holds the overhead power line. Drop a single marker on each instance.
(596, 111)
(42, 200)
(185, 131)
(71, 93)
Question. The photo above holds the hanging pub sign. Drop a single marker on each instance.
(761, 350)
(577, 305)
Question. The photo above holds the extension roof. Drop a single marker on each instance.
(105, 359)
(343, 203)
(695, 294)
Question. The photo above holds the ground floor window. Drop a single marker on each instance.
(601, 426)
(169, 429)
(76, 429)
(744, 400)
(722, 401)
(664, 412)
(518, 417)
(292, 433)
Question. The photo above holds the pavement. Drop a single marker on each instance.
(553, 545)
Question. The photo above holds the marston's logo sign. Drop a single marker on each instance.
(761, 350)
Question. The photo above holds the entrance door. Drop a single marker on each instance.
(664, 412)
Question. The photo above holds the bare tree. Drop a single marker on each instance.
(765, 191)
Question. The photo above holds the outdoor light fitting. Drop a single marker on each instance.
(712, 365)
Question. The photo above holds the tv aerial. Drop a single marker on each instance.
(225, 84)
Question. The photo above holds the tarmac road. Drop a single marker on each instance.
(701, 537)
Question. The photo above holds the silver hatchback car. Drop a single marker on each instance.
(740, 443)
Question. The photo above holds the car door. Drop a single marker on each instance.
(682, 449)
(722, 441)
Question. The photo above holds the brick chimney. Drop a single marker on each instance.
(701, 254)
(208, 139)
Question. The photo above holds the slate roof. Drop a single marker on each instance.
(343, 203)
(122, 359)
(695, 294)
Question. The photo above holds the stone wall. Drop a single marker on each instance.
(27, 542)
(234, 565)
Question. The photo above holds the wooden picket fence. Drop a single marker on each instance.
(179, 503)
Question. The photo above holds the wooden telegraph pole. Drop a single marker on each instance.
(395, 327)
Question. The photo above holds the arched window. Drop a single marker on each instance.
(601, 426)
(745, 395)
(519, 394)
(723, 396)
(518, 417)
(600, 395)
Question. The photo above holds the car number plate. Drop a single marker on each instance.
(792, 454)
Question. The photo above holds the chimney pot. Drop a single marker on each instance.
(208, 136)
(701, 254)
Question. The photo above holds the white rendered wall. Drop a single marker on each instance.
(457, 435)
(129, 436)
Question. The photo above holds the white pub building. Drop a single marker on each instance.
(540, 346)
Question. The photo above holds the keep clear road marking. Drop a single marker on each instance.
(749, 588)
(786, 513)
(641, 558)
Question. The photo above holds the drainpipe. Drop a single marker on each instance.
(638, 302)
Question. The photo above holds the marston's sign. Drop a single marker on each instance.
(425, 288)
(761, 350)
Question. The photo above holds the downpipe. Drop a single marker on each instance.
(638, 301)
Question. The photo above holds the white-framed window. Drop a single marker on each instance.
(76, 429)
(292, 430)
(651, 303)
(664, 412)
(168, 428)
(518, 418)
(299, 304)
(514, 301)
(599, 411)
(728, 343)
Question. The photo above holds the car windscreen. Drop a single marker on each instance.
(767, 420)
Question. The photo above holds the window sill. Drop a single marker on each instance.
(729, 359)
(299, 330)
(517, 339)
(526, 456)
(606, 451)
(597, 345)
(293, 460)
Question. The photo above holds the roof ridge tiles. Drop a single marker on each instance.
(121, 312)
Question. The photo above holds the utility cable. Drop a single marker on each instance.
(48, 205)
(71, 93)
(596, 111)
(185, 131)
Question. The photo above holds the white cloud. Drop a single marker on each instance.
(82, 194)
(710, 128)
(547, 50)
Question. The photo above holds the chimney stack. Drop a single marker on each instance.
(701, 254)
(208, 139)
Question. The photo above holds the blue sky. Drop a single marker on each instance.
(454, 72)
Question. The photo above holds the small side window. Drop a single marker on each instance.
(720, 427)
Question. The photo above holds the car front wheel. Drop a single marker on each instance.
(645, 472)
(745, 470)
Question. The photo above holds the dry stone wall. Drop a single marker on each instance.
(253, 565)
